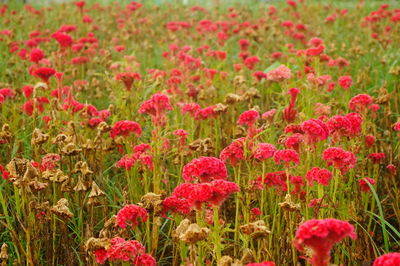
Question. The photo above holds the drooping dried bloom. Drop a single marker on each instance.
(339, 158)
(321, 236)
(364, 184)
(157, 107)
(205, 169)
(286, 156)
(131, 214)
(125, 128)
(320, 175)
(390, 259)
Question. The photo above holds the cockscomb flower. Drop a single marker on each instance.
(339, 158)
(182, 134)
(274, 179)
(251, 61)
(314, 130)
(269, 115)
(294, 141)
(286, 156)
(234, 152)
(44, 73)
(376, 157)
(279, 74)
(360, 102)
(125, 128)
(320, 175)
(131, 215)
(248, 118)
(36, 55)
(264, 151)
(321, 236)
(364, 184)
(390, 259)
(176, 205)
(128, 78)
(205, 169)
(396, 126)
(63, 39)
(156, 107)
(345, 82)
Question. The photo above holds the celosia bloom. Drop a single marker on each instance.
(264, 151)
(248, 118)
(286, 156)
(364, 184)
(125, 128)
(315, 130)
(339, 158)
(360, 102)
(321, 236)
(279, 74)
(36, 55)
(320, 175)
(345, 82)
(156, 107)
(234, 152)
(128, 78)
(44, 73)
(390, 259)
(274, 179)
(376, 157)
(205, 169)
(130, 214)
(176, 205)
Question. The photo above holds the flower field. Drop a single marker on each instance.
(244, 134)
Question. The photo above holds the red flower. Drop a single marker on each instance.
(321, 236)
(345, 82)
(279, 74)
(131, 214)
(248, 118)
(339, 158)
(233, 152)
(205, 169)
(63, 39)
(274, 179)
(320, 175)
(176, 205)
(44, 73)
(360, 102)
(156, 107)
(315, 130)
(286, 156)
(251, 61)
(376, 157)
(390, 259)
(36, 55)
(264, 151)
(364, 184)
(125, 128)
(128, 78)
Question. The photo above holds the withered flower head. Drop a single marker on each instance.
(80, 186)
(289, 205)
(55, 175)
(93, 244)
(61, 209)
(17, 168)
(37, 186)
(194, 233)
(96, 191)
(59, 139)
(5, 133)
(152, 203)
(103, 127)
(203, 146)
(83, 168)
(220, 108)
(70, 149)
(232, 98)
(256, 229)
(4, 252)
(38, 137)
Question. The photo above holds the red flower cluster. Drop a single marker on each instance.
(234, 152)
(205, 169)
(339, 158)
(121, 250)
(249, 118)
(156, 107)
(44, 73)
(140, 155)
(360, 102)
(390, 259)
(320, 175)
(176, 205)
(364, 184)
(280, 73)
(125, 128)
(348, 125)
(264, 151)
(376, 157)
(321, 236)
(345, 82)
(286, 156)
(274, 179)
(315, 130)
(128, 78)
(131, 214)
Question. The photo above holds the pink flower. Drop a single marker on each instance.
(315, 130)
(364, 184)
(36, 55)
(248, 118)
(131, 214)
(176, 205)
(286, 156)
(264, 151)
(234, 152)
(339, 158)
(279, 74)
(128, 78)
(390, 259)
(205, 169)
(321, 236)
(156, 107)
(360, 102)
(125, 128)
(320, 175)
(345, 82)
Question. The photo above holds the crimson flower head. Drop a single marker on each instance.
(36, 55)
(156, 107)
(364, 184)
(376, 157)
(345, 82)
(251, 61)
(279, 74)
(339, 158)
(44, 73)
(128, 78)
(320, 175)
(264, 151)
(315, 130)
(80, 4)
(125, 128)
(287, 156)
(130, 214)
(63, 39)
(176, 205)
(321, 236)
(234, 152)
(360, 102)
(389, 259)
(248, 118)
(205, 169)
